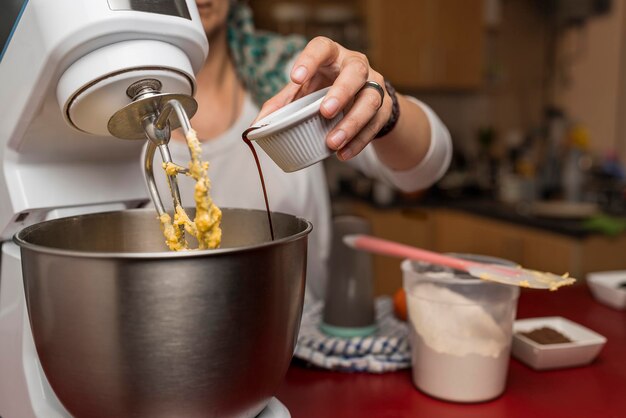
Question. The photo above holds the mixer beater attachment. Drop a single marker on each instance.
(150, 115)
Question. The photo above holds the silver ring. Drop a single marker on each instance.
(374, 85)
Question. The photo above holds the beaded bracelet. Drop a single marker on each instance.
(395, 111)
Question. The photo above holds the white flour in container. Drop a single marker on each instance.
(459, 351)
(450, 323)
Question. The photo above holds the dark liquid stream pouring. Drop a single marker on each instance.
(244, 136)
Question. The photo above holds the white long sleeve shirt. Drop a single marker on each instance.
(304, 193)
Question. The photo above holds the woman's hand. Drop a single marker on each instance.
(326, 63)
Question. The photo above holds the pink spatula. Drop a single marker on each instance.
(516, 276)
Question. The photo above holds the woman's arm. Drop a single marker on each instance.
(407, 144)
(431, 167)
(326, 63)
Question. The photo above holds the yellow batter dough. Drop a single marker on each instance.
(551, 280)
(206, 224)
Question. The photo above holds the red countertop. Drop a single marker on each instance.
(597, 390)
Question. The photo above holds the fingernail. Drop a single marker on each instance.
(336, 140)
(331, 105)
(345, 154)
(299, 74)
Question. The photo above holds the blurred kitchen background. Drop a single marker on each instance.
(534, 95)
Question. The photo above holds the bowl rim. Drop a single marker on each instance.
(17, 239)
(594, 340)
(306, 107)
(607, 279)
(604, 288)
(406, 266)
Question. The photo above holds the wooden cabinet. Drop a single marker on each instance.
(448, 230)
(409, 226)
(427, 44)
(532, 248)
(416, 44)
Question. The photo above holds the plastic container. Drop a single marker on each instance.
(295, 135)
(460, 331)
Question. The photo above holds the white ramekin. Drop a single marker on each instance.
(295, 135)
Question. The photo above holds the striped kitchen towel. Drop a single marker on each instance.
(384, 351)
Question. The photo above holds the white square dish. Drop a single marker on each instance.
(605, 288)
(584, 347)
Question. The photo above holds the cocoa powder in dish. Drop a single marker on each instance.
(546, 335)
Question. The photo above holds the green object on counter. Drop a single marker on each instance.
(347, 332)
(604, 224)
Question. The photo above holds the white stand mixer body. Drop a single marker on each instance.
(24, 389)
(85, 54)
(64, 71)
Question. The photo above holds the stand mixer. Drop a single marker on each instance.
(73, 74)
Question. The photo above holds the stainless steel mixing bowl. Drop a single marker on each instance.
(124, 328)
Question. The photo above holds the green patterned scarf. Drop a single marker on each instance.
(260, 57)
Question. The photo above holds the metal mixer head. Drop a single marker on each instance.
(154, 115)
(149, 103)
